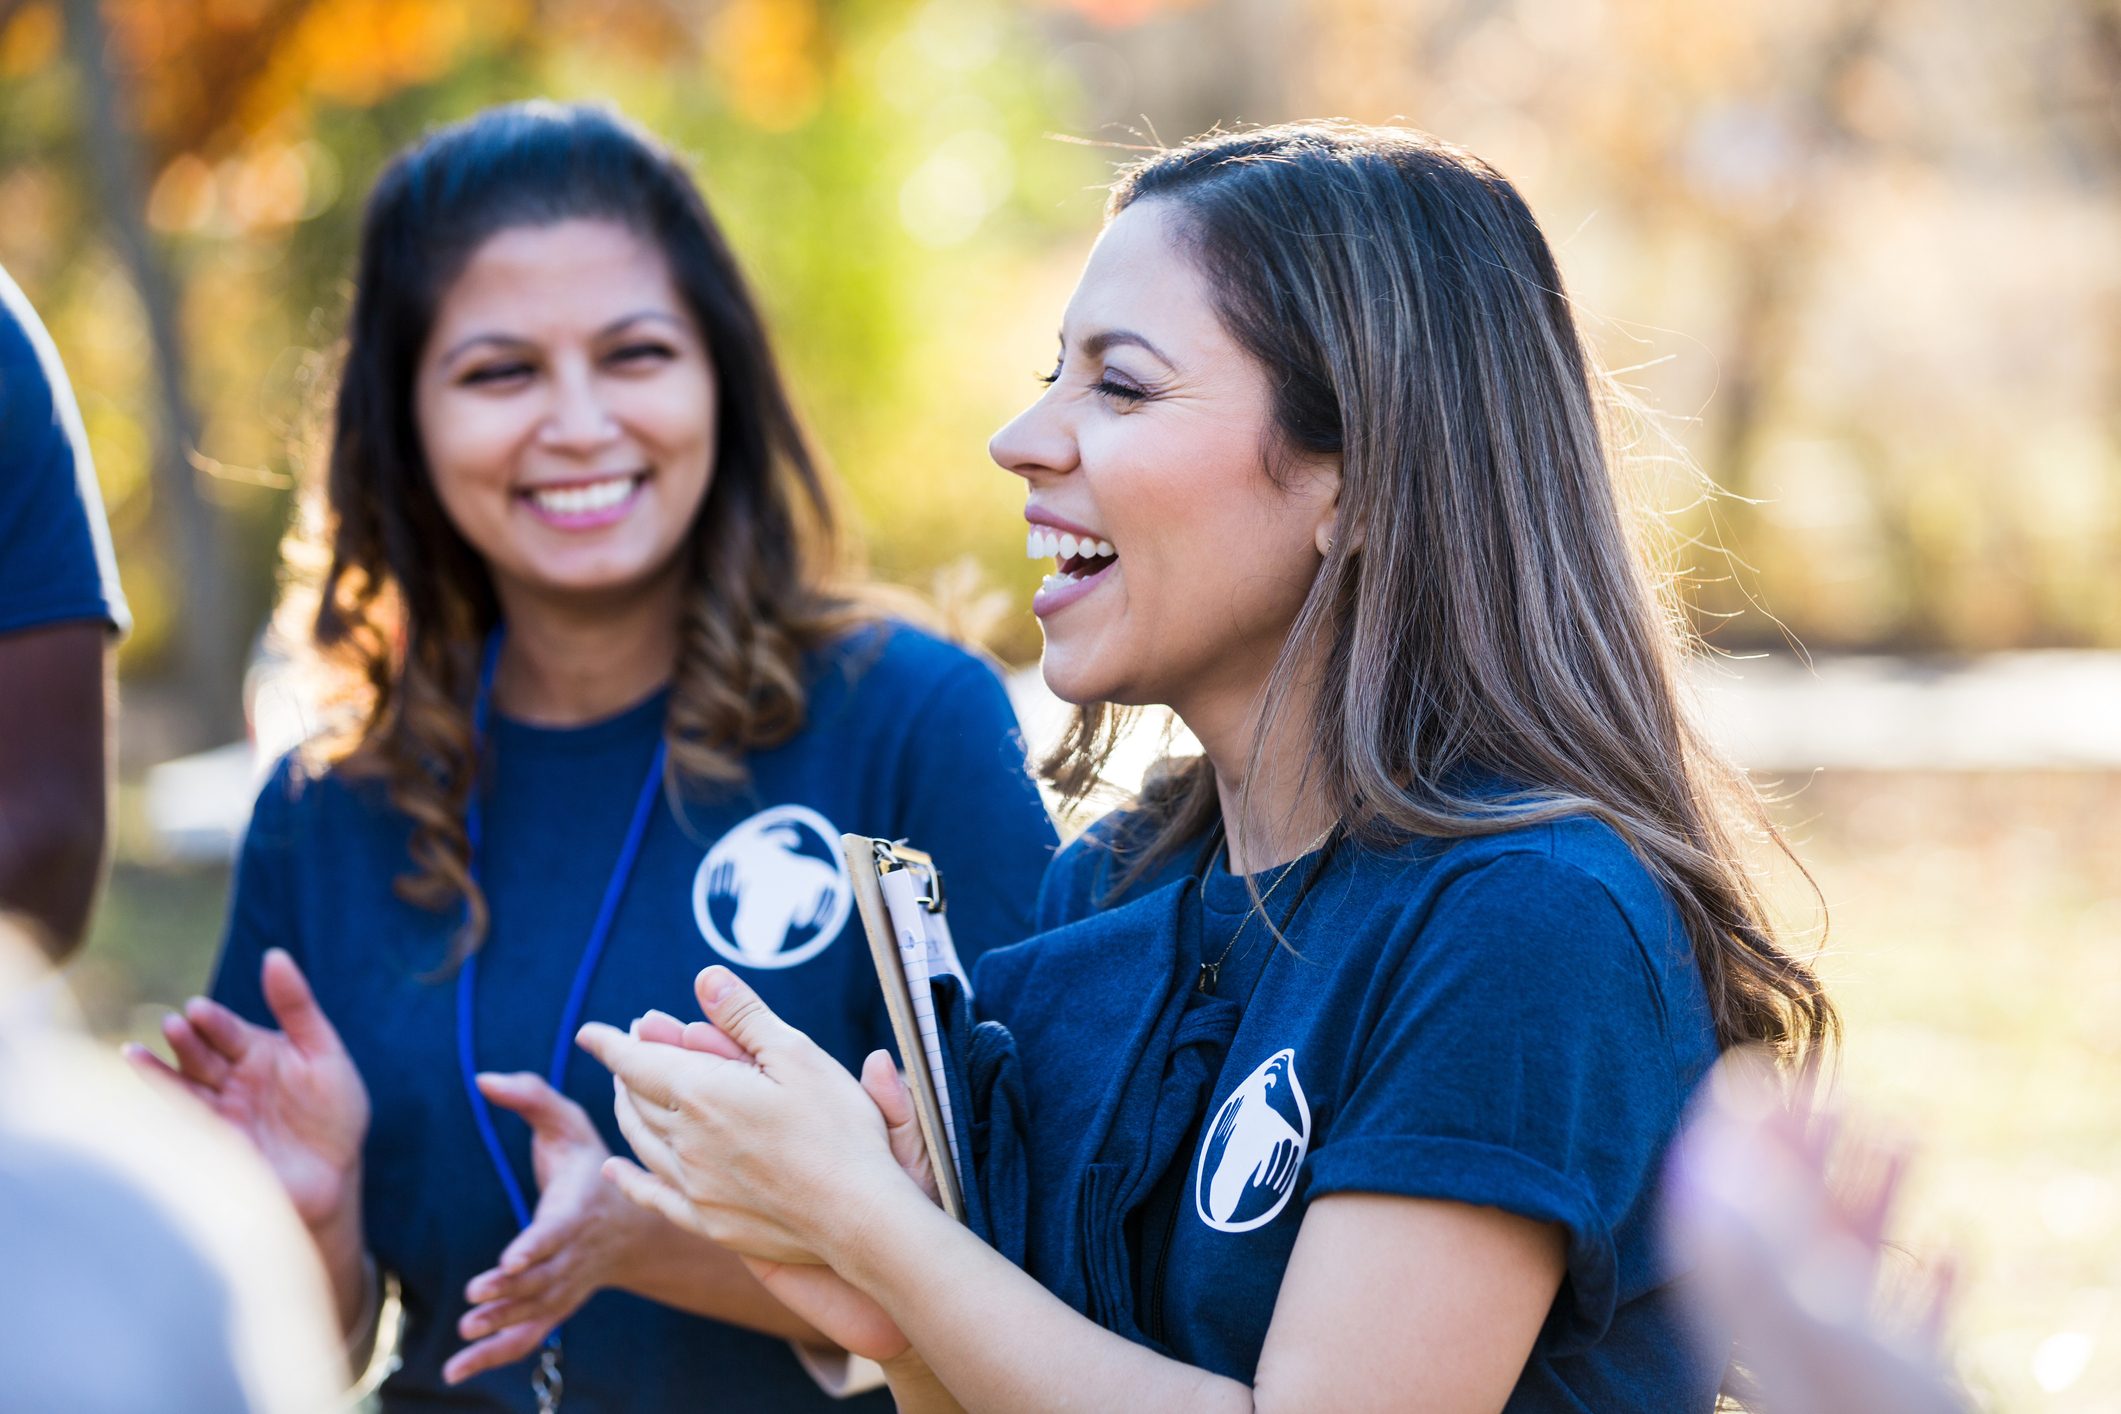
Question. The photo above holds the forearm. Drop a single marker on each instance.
(688, 1272)
(950, 1293)
(343, 1249)
(51, 858)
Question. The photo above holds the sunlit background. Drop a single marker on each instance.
(1864, 258)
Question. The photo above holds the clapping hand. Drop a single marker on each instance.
(778, 1055)
(293, 1092)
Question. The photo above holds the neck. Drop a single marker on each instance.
(1271, 813)
(564, 664)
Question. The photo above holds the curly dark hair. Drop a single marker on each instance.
(391, 601)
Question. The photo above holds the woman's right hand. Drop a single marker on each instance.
(294, 1093)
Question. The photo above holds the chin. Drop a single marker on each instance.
(1077, 676)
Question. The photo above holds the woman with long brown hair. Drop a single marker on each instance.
(1352, 1050)
(607, 707)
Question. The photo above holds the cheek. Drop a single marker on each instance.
(468, 442)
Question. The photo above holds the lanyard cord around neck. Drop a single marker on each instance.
(592, 950)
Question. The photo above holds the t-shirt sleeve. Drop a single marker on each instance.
(1516, 1057)
(261, 911)
(971, 802)
(55, 558)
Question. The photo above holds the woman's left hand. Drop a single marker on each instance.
(778, 1157)
(577, 1242)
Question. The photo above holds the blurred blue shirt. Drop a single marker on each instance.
(55, 555)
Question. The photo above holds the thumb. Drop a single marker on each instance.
(885, 1086)
(548, 1112)
(740, 1014)
(295, 1007)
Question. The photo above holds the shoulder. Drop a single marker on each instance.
(1565, 905)
(1080, 880)
(889, 658)
(302, 800)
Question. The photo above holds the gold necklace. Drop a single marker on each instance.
(1210, 971)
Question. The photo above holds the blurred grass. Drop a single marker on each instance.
(1975, 952)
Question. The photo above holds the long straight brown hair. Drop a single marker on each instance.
(1485, 610)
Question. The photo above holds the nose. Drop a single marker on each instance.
(1037, 443)
(579, 421)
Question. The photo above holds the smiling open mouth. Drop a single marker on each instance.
(1079, 557)
(580, 499)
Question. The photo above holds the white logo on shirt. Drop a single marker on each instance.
(773, 892)
(1251, 1153)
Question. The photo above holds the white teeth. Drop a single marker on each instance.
(1041, 543)
(584, 500)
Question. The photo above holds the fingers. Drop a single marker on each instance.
(662, 1029)
(655, 1073)
(884, 1084)
(659, 1027)
(528, 1283)
(517, 1342)
(198, 1061)
(740, 1014)
(221, 1028)
(548, 1111)
(295, 1007)
(157, 1071)
(648, 1143)
(532, 1247)
(706, 1036)
(643, 1189)
(886, 1088)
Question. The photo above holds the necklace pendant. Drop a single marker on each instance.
(1209, 971)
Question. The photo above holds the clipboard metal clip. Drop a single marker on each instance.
(897, 854)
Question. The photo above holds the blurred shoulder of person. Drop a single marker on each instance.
(152, 1261)
(61, 608)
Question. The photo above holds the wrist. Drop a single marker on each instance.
(342, 1247)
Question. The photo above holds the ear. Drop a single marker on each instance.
(1327, 529)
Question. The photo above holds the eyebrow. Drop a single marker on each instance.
(1104, 339)
(512, 340)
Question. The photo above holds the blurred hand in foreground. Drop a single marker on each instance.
(1781, 1216)
(295, 1094)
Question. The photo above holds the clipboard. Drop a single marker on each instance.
(898, 893)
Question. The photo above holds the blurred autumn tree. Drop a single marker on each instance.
(182, 183)
(1861, 252)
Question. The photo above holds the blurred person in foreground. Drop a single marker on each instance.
(1780, 1214)
(611, 700)
(60, 610)
(152, 1262)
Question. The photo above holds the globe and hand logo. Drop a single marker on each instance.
(773, 892)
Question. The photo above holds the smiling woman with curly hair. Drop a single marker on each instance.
(602, 714)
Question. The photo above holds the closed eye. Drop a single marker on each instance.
(1104, 387)
(495, 373)
(642, 354)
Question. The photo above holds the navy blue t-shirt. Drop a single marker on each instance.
(55, 557)
(1514, 1022)
(905, 737)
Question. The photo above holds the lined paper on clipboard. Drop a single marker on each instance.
(898, 893)
(924, 951)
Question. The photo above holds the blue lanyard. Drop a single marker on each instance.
(592, 950)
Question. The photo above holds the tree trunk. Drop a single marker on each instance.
(208, 640)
